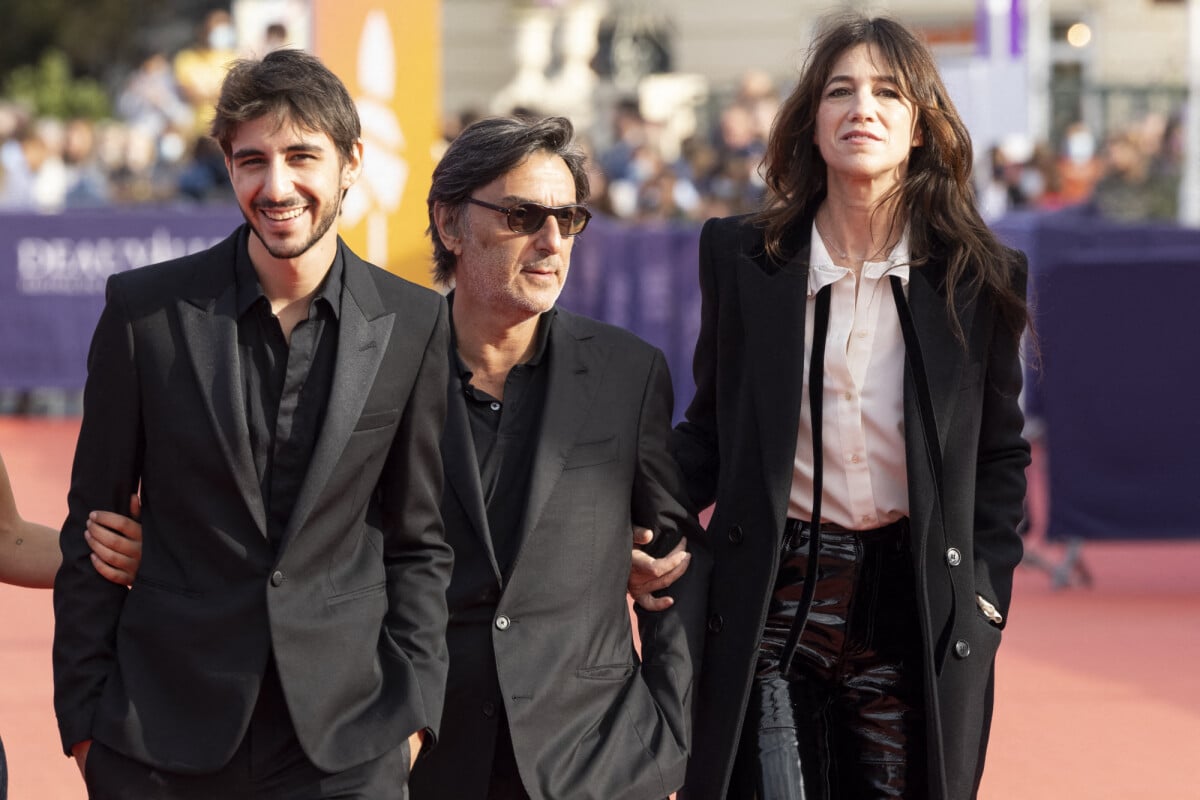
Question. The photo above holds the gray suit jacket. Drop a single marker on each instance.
(352, 604)
(551, 645)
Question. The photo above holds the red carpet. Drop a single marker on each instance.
(1098, 689)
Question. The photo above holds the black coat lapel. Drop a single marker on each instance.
(941, 350)
(575, 371)
(461, 464)
(208, 319)
(363, 333)
(773, 311)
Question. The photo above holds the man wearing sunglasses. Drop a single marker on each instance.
(555, 440)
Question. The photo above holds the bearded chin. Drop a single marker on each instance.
(286, 253)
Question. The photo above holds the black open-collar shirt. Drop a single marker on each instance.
(286, 385)
(505, 434)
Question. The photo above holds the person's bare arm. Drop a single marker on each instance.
(29, 554)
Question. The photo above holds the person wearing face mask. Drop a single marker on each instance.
(856, 425)
(200, 68)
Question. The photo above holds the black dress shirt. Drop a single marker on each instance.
(505, 435)
(286, 385)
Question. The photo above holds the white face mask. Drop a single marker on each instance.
(1080, 146)
(222, 37)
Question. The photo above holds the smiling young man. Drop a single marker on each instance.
(279, 402)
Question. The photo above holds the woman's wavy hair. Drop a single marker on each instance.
(936, 198)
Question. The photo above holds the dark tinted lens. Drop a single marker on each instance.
(527, 217)
(571, 220)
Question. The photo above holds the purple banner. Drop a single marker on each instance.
(53, 268)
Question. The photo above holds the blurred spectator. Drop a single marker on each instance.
(151, 98)
(1142, 167)
(200, 68)
(87, 184)
(276, 36)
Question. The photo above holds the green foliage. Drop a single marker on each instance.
(50, 90)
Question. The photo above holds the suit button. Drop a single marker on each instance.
(962, 648)
(489, 709)
(735, 534)
(716, 623)
(277, 578)
(953, 557)
(502, 622)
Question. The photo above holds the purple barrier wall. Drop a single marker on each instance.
(52, 273)
(1117, 387)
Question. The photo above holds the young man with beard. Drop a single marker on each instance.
(279, 402)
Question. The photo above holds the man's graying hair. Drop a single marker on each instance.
(293, 86)
(485, 151)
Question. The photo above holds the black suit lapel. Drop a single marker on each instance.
(461, 465)
(575, 371)
(363, 333)
(943, 357)
(208, 319)
(773, 311)
(941, 350)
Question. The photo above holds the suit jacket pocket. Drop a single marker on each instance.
(605, 672)
(355, 594)
(380, 419)
(589, 454)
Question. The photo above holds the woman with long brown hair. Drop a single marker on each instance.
(856, 424)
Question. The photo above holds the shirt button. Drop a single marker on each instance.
(868, 518)
(716, 623)
(854, 459)
(848, 396)
(962, 648)
(861, 334)
(489, 709)
(495, 406)
(735, 534)
(953, 557)
(277, 578)
(502, 622)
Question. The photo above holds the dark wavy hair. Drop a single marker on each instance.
(488, 149)
(936, 198)
(292, 85)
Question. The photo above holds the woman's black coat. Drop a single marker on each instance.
(737, 446)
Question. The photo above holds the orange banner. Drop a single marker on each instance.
(388, 55)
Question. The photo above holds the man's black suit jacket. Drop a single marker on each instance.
(353, 603)
(550, 644)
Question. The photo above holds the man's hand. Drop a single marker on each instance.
(116, 543)
(648, 574)
(79, 751)
(415, 743)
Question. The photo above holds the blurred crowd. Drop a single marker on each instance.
(1133, 174)
(154, 149)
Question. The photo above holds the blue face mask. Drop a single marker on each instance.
(222, 37)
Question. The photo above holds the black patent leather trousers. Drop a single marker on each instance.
(847, 720)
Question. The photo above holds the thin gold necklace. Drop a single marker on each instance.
(837, 251)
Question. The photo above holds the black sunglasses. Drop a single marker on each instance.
(527, 218)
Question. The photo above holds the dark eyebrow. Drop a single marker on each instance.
(299, 147)
(892, 79)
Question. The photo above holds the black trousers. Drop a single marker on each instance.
(269, 763)
(847, 719)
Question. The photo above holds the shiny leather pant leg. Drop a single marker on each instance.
(847, 720)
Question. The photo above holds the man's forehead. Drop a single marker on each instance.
(284, 128)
